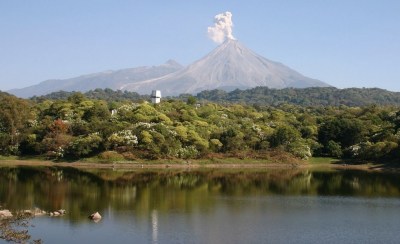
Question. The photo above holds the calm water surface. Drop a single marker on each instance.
(213, 206)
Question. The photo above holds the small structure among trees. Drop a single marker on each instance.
(155, 96)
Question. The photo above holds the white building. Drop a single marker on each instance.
(155, 96)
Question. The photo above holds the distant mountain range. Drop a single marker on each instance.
(108, 79)
(230, 66)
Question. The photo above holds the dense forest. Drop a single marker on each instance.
(78, 125)
(100, 94)
(314, 96)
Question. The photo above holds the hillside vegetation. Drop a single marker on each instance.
(315, 96)
(78, 127)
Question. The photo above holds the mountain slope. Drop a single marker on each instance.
(108, 79)
(231, 65)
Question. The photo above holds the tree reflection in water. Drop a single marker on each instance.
(149, 192)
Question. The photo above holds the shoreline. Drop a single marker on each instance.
(201, 164)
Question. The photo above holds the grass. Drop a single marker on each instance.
(9, 157)
(201, 161)
(13, 157)
(322, 160)
(211, 159)
(232, 160)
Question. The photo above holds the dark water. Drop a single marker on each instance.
(217, 206)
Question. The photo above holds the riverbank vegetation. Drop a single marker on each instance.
(76, 126)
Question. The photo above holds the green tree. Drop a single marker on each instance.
(284, 136)
(85, 145)
(191, 100)
(15, 115)
(346, 132)
(334, 149)
(232, 140)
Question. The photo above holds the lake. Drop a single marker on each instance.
(207, 206)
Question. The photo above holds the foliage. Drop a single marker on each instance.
(334, 149)
(81, 126)
(85, 145)
(15, 119)
(314, 96)
(107, 94)
(123, 138)
(191, 100)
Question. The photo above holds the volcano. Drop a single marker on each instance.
(230, 66)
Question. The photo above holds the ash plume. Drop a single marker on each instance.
(222, 28)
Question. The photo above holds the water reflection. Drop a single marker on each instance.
(154, 224)
(149, 193)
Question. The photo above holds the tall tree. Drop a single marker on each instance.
(15, 114)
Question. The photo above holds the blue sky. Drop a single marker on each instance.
(346, 43)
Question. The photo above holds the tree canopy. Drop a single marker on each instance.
(78, 125)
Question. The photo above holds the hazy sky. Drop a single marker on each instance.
(346, 43)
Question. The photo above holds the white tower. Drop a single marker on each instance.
(155, 96)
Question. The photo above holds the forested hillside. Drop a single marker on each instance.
(79, 126)
(102, 94)
(315, 96)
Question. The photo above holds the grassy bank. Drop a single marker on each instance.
(226, 162)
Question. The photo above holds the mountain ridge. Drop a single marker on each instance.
(229, 66)
(105, 79)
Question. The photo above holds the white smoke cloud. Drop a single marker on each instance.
(222, 28)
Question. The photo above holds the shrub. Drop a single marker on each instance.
(299, 149)
(188, 152)
(83, 146)
(111, 156)
(122, 138)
